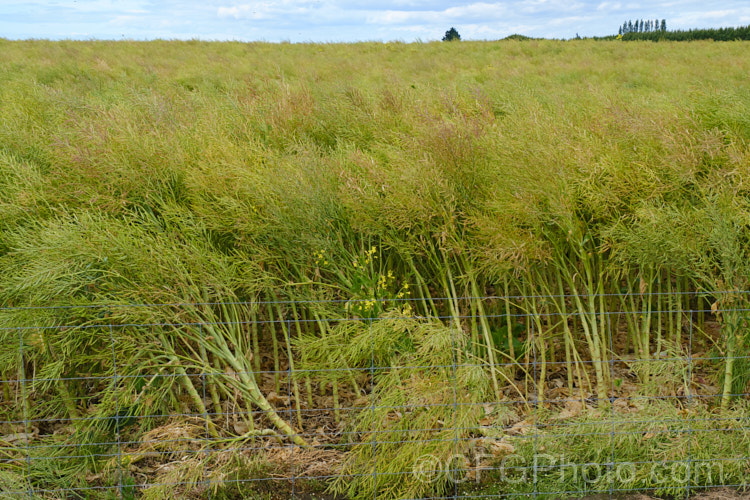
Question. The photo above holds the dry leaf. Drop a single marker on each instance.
(12, 438)
(522, 427)
(572, 409)
(564, 415)
(395, 416)
(276, 400)
(501, 448)
(240, 427)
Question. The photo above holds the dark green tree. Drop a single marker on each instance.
(717, 34)
(451, 35)
(664, 25)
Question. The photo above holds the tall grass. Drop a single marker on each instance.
(585, 178)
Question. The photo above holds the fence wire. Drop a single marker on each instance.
(466, 403)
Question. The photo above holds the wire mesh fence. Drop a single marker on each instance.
(488, 397)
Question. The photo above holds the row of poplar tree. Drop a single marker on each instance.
(641, 26)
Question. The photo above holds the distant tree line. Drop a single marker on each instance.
(641, 26)
(718, 34)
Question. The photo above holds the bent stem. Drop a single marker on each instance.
(220, 337)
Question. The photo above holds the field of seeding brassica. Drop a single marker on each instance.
(208, 241)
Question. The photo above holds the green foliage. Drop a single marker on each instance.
(452, 36)
(414, 398)
(652, 452)
(641, 26)
(501, 340)
(517, 37)
(258, 174)
(716, 34)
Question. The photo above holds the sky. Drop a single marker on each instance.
(349, 21)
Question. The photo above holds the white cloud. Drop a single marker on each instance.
(256, 11)
(123, 20)
(237, 12)
(609, 6)
(350, 20)
(718, 14)
(710, 18)
(481, 11)
(545, 8)
(478, 10)
(269, 9)
(106, 6)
